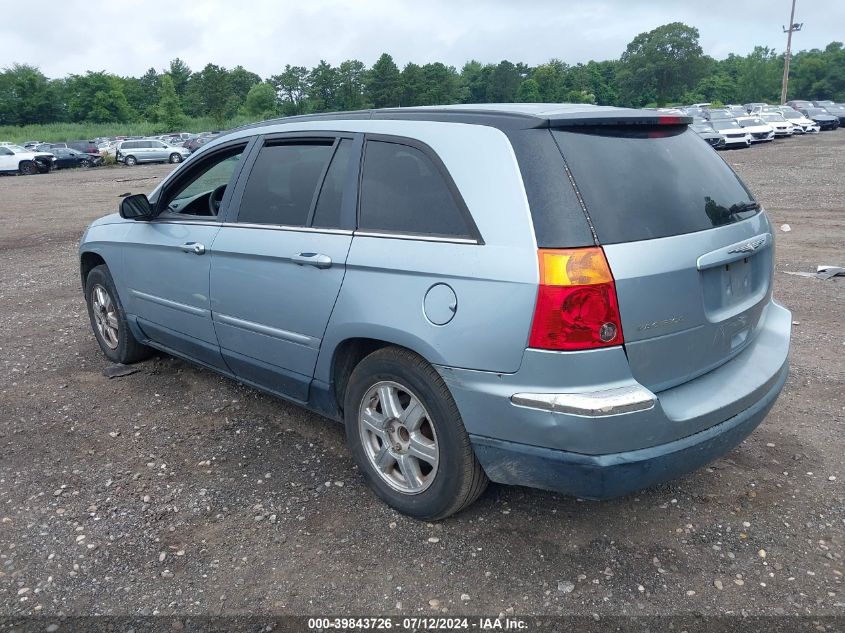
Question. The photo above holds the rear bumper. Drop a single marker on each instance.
(616, 474)
(579, 423)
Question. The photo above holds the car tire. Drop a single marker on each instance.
(427, 469)
(85, 164)
(175, 158)
(108, 319)
(28, 168)
(130, 160)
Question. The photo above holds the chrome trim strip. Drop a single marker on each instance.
(418, 238)
(593, 404)
(284, 227)
(285, 335)
(170, 304)
(187, 221)
(734, 252)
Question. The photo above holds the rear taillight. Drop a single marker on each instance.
(576, 302)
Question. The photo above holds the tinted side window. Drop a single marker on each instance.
(327, 212)
(403, 191)
(282, 183)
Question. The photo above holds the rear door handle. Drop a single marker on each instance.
(194, 247)
(318, 260)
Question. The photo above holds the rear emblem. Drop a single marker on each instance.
(661, 323)
(748, 247)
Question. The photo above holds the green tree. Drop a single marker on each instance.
(210, 93)
(440, 84)
(261, 100)
(97, 96)
(551, 80)
(760, 74)
(169, 107)
(350, 84)
(529, 92)
(504, 82)
(661, 65)
(384, 83)
(291, 87)
(475, 82)
(142, 92)
(26, 96)
(180, 73)
(323, 84)
(413, 85)
(241, 82)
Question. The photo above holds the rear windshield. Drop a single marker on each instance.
(643, 184)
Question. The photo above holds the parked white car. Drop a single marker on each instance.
(800, 122)
(735, 135)
(779, 124)
(759, 130)
(15, 159)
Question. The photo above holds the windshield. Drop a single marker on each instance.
(773, 117)
(816, 111)
(702, 127)
(751, 122)
(793, 115)
(643, 184)
(725, 124)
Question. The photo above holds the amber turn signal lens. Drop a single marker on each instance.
(573, 267)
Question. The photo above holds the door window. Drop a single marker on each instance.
(327, 212)
(201, 189)
(282, 183)
(403, 191)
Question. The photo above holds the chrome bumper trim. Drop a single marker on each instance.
(593, 404)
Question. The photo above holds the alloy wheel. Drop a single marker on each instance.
(398, 437)
(105, 315)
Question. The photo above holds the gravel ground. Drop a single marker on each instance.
(175, 491)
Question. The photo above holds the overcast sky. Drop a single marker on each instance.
(127, 37)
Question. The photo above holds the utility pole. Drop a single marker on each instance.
(793, 26)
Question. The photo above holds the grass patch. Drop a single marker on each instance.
(58, 132)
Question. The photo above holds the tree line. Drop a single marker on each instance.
(663, 66)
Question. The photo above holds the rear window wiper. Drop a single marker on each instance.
(744, 206)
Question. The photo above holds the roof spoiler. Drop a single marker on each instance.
(617, 117)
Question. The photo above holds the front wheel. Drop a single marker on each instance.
(108, 319)
(130, 160)
(406, 435)
(85, 164)
(175, 158)
(28, 168)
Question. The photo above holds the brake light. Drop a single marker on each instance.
(576, 301)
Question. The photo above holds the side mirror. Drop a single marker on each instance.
(136, 207)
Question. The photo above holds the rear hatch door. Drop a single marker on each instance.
(687, 243)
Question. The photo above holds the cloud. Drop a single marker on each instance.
(72, 36)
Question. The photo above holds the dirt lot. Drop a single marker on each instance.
(175, 491)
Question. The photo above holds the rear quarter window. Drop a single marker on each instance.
(640, 184)
(404, 191)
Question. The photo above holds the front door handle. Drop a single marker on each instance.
(194, 247)
(318, 260)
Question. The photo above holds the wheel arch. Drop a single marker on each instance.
(352, 350)
(88, 260)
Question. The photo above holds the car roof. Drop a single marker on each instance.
(500, 115)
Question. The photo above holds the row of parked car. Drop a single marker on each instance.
(735, 126)
(35, 157)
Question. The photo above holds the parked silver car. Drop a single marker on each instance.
(568, 297)
(149, 151)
